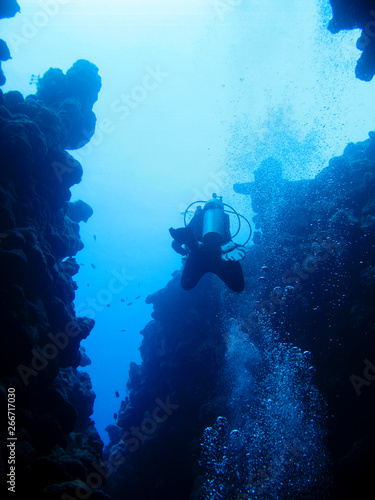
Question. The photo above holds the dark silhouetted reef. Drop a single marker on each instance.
(40, 333)
(8, 8)
(172, 394)
(316, 244)
(359, 14)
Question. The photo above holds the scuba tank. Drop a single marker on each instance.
(213, 222)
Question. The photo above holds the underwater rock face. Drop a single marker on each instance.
(8, 8)
(172, 396)
(317, 244)
(266, 394)
(354, 14)
(71, 96)
(39, 238)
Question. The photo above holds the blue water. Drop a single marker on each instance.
(196, 93)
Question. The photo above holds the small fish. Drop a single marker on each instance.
(123, 330)
(138, 297)
(129, 303)
(122, 300)
(139, 284)
(94, 237)
(115, 416)
(81, 264)
(117, 394)
(88, 284)
(264, 268)
(262, 278)
(126, 298)
(93, 266)
(108, 305)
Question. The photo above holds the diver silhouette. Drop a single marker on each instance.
(207, 244)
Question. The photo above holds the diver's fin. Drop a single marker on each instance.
(183, 235)
(199, 263)
(231, 273)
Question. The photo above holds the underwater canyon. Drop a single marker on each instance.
(264, 394)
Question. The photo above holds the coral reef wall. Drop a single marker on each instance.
(8, 8)
(40, 333)
(310, 276)
(359, 14)
(172, 395)
(317, 291)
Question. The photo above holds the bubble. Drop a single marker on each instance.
(271, 444)
(221, 421)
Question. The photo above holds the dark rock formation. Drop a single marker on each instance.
(317, 241)
(316, 259)
(8, 8)
(79, 211)
(71, 96)
(349, 14)
(57, 443)
(173, 396)
(4, 56)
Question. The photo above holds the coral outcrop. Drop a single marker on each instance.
(8, 8)
(348, 15)
(39, 238)
(172, 396)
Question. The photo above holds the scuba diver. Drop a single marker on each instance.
(207, 244)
